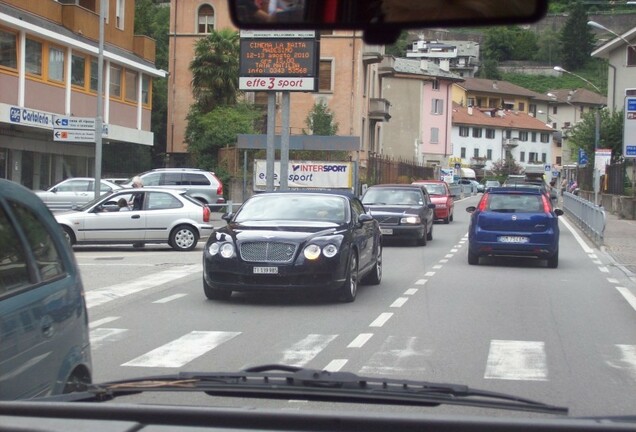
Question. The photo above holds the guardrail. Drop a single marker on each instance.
(589, 217)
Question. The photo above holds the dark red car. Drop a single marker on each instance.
(440, 196)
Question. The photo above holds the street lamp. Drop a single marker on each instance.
(605, 29)
(560, 69)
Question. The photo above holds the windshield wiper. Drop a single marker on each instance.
(290, 382)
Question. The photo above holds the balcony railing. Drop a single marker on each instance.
(511, 142)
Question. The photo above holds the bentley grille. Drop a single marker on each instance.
(268, 252)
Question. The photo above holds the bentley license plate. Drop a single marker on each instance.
(265, 270)
(513, 239)
(386, 231)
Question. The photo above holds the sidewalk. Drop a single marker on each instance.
(619, 241)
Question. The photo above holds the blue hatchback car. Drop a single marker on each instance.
(514, 221)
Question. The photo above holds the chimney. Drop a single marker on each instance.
(444, 64)
(424, 64)
(470, 110)
(494, 85)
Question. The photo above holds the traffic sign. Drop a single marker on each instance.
(77, 135)
(84, 123)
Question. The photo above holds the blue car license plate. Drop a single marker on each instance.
(512, 239)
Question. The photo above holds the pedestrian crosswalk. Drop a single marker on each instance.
(392, 356)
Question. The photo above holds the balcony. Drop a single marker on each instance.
(478, 162)
(379, 109)
(387, 67)
(372, 54)
(511, 142)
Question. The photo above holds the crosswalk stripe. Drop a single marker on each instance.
(183, 350)
(628, 358)
(101, 322)
(305, 350)
(101, 335)
(335, 365)
(516, 360)
(360, 340)
(398, 356)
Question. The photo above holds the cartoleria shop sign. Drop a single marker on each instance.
(25, 116)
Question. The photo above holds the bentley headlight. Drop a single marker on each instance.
(410, 220)
(312, 252)
(213, 249)
(330, 250)
(227, 250)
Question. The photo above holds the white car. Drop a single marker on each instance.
(75, 191)
(165, 216)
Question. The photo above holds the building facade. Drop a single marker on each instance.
(48, 72)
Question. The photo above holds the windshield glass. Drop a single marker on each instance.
(281, 217)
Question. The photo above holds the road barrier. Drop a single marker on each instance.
(589, 217)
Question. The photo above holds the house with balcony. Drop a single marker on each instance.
(349, 83)
(419, 127)
(49, 70)
(482, 136)
(488, 93)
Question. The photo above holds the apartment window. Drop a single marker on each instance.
(476, 153)
(532, 109)
(631, 56)
(56, 64)
(78, 70)
(545, 137)
(206, 19)
(131, 78)
(508, 134)
(145, 89)
(8, 50)
(434, 135)
(463, 131)
(115, 81)
(471, 101)
(435, 84)
(532, 157)
(438, 106)
(522, 156)
(489, 154)
(522, 106)
(558, 160)
(94, 74)
(554, 125)
(523, 136)
(476, 132)
(120, 8)
(326, 67)
(554, 109)
(463, 152)
(544, 157)
(534, 137)
(490, 133)
(33, 57)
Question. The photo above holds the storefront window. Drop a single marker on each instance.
(33, 57)
(8, 50)
(115, 81)
(78, 70)
(56, 64)
(131, 85)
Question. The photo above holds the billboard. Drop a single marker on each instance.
(279, 61)
(307, 175)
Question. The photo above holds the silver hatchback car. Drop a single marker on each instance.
(203, 185)
(138, 216)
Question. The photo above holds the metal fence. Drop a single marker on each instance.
(382, 169)
(614, 181)
(589, 217)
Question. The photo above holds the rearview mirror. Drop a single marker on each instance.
(381, 20)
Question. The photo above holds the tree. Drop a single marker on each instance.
(320, 121)
(577, 39)
(215, 70)
(399, 48)
(583, 133)
(489, 70)
(549, 48)
(505, 167)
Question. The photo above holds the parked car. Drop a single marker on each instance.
(514, 221)
(75, 191)
(166, 216)
(44, 335)
(491, 183)
(476, 187)
(441, 196)
(403, 211)
(320, 241)
(203, 185)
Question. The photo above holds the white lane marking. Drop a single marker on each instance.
(115, 264)
(449, 255)
(628, 357)
(399, 302)
(421, 282)
(429, 274)
(612, 280)
(631, 299)
(410, 291)
(104, 295)
(597, 262)
(303, 351)
(169, 298)
(593, 256)
(437, 267)
(183, 350)
(399, 356)
(577, 237)
(604, 269)
(101, 335)
(360, 340)
(102, 321)
(454, 250)
(335, 365)
(443, 261)
(516, 360)
(381, 319)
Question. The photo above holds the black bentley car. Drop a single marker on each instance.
(321, 241)
(404, 211)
